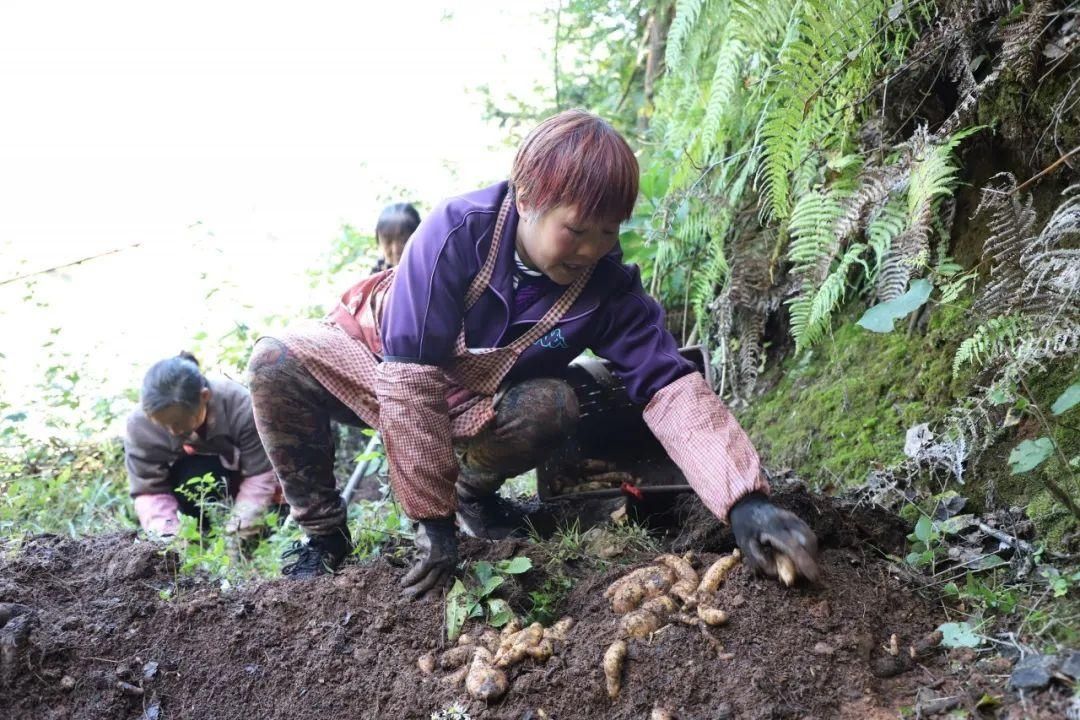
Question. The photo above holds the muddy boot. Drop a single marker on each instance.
(320, 555)
(491, 518)
(482, 513)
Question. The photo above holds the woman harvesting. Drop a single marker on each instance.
(451, 356)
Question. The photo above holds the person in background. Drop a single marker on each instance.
(396, 224)
(187, 426)
(455, 356)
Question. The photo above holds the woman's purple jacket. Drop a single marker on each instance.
(613, 317)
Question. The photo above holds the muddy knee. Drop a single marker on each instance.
(538, 414)
(269, 361)
(533, 419)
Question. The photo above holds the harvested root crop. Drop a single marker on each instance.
(542, 651)
(661, 606)
(785, 568)
(490, 640)
(559, 630)
(717, 572)
(630, 591)
(426, 663)
(687, 582)
(640, 624)
(515, 648)
(659, 713)
(456, 657)
(614, 658)
(457, 677)
(712, 615)
(485, 681)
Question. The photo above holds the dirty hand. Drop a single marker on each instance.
(246, 521)
(436, 541)
(762, 530)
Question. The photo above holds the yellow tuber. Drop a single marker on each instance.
(485, 681)
(651, 576)
(682, 567)
(640, 624)
(717, 572)
(426, 663)
(661, 606)
(560, 629)
(515, 648)
(491, 640)
(640, 585)
(614, 657)
(688, 578)
(712, 615)
(542, 651)
(659, 713)
(458, 676)
(786, 569)
(456, 657)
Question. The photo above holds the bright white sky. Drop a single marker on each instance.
(232, 139)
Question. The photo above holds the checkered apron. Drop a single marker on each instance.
(342, 352)
(482, 370)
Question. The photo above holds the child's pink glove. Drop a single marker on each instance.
(158, 514)
(255, 495)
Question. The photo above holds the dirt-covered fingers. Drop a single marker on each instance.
(426, 579)
(794, 550)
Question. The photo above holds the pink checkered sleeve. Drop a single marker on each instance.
(706, 442)
(414, 422)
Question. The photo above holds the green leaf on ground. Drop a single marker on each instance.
(955, 635)
(1067, 400)
(499, 612)
(924, 529)
(456, 611)
(516, 566)
(881, 317)
(1030, 454)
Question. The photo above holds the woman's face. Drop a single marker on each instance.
(179, 420)
(391, 250)
(561, 245)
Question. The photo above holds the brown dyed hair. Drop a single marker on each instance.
(576, 158)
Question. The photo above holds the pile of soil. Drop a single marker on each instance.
(104, 642)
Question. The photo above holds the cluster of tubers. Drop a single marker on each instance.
(481, 662)
(652, 597)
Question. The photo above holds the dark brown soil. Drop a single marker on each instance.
(104, 644)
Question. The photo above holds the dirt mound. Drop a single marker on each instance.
(104, 642)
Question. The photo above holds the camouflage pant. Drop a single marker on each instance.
(293, 413)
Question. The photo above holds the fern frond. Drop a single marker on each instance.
(812, 311)
(725, 83)
(1022, 41)
(992, 339)
(932, 177)
(686, 17)
(1010, 225)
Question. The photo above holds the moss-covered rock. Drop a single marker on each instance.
(845, 406)
(843, 409)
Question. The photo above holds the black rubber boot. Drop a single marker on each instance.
(320, 555)
(491, 517)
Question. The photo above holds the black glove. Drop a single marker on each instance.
(436, 541)
(762, 529)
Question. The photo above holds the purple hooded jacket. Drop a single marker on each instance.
(613, 316)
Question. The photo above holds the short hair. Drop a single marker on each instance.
(576, 158)
(397, 222)
(173, 381)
